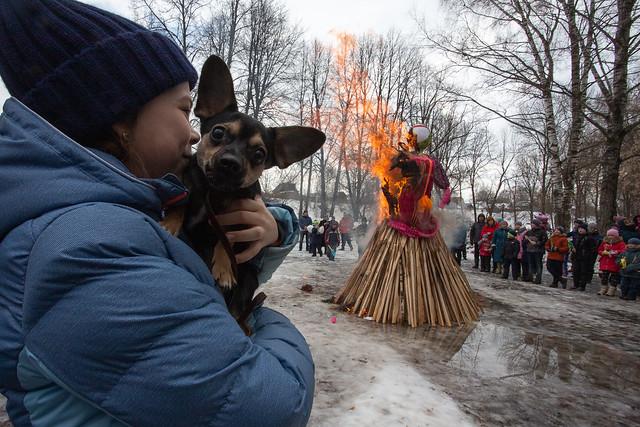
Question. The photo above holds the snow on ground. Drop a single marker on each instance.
(538, 356)
(360, 380)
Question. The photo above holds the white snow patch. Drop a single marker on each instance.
(399, 395)
(361, 377)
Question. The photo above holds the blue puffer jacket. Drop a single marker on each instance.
(107, 320)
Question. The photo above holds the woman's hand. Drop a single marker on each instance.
(261, 231)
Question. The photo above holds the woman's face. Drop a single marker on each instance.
(161, 135)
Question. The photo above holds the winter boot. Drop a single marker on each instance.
(612, 291)
(603, 290)
(554, 284)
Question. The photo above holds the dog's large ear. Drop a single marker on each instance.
(215, 90)
(294, 143)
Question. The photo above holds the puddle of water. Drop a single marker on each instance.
(494, 351)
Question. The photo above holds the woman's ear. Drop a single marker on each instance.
(122, 131)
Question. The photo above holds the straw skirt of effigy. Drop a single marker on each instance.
(407, 280)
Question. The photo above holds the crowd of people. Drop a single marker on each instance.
(327, 236)
(519, 252)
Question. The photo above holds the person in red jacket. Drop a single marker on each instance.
(557, 247)
(346, 225)
(485, 253)
(489, 228)
(612, 246)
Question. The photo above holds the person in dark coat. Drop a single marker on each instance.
(585, 252)
(332, 239)
(475, 235)
(459, 244)
(510, 255)
(316, 232)
(304, 221)
(628, 228)
(629, 262)
(535, 238)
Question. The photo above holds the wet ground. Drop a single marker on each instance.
(538, 356)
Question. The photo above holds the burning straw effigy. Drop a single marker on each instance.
(407, 274)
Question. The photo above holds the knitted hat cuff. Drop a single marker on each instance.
(92, 90)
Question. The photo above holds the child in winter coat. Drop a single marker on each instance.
(535, 239)
(585, 249)
(629, 262)
(557, 247)
(498, 241)
(612, 246)
(521, 267)
(485, 253)
(490, 227)
(510, 256)
(332, 240)
(317, 238)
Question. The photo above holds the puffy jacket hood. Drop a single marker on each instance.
(42, 169)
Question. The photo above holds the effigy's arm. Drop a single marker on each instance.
(392, 201)
(441, 181)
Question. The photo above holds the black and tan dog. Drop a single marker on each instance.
(234, 151)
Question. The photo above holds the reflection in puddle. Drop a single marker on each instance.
(493, 351)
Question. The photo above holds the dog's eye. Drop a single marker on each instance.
(259, 155)
(217, 133)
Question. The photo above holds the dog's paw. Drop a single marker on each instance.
(222, 270)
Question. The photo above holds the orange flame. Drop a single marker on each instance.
(381, 141)
(366, 119)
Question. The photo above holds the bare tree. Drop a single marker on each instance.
(268, 49)
(517, 55)
(177, 19)
(616, 41)
(475, 162)
(224, 28)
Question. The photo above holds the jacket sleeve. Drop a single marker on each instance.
(564, 246)
(270, 258)
(112, 313)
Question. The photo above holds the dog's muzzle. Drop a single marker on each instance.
(225, 172)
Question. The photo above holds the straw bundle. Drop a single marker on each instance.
(410, 281)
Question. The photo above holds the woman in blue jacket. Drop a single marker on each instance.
(105, 318)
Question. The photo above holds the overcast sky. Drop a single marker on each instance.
(322, 18)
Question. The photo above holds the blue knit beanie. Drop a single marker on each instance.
(82, 68)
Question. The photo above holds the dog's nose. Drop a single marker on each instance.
(229, 164)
